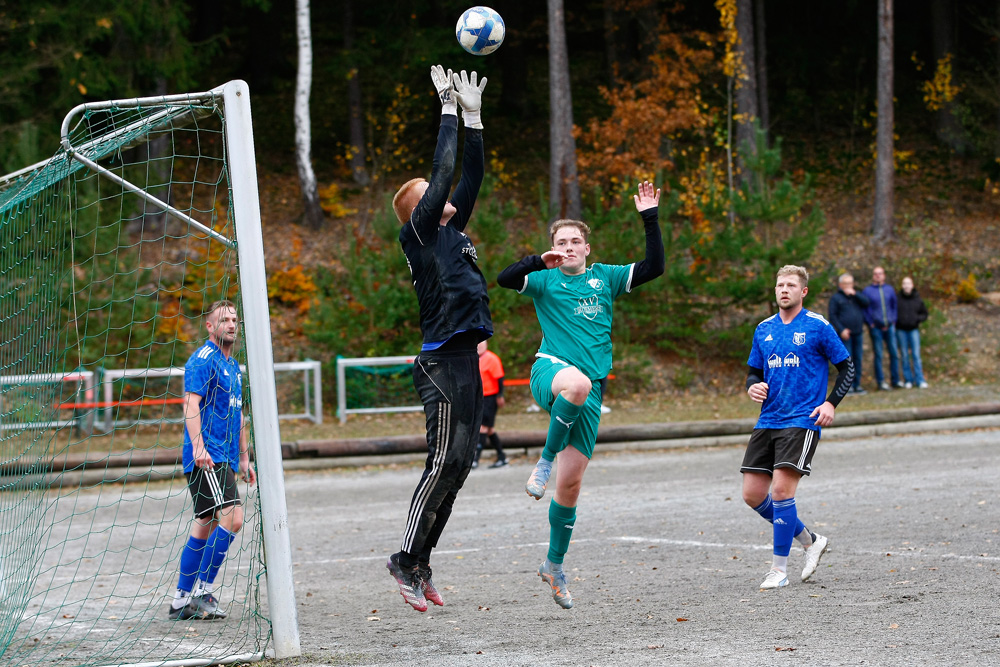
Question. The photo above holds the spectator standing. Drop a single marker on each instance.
(491, 369)
(847, 316)
(880, 316)
(911, 312)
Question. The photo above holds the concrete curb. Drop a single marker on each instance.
(124, 475)
(831, 433)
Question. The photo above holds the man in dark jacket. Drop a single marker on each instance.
(880, 316)
(911, 311)
(847, 316)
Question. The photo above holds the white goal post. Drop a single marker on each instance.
(91, 276)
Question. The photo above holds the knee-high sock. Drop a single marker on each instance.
(766, 510)
(561, 522)
(215, 554)
(563, 414)
(190, 563)
(785, 519)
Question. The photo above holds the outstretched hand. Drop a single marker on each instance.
(468, 91)
(553, 258)
(647, 198)
(469, 94)
(445, 88)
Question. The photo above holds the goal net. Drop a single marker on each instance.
(110, 252)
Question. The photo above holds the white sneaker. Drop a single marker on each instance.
(884, 386)
(908, 385)
(924, 385)
(774, 579)
(813, 554)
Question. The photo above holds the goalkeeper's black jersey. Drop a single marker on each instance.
(450, 287)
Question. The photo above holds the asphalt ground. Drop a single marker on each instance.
(666, 563)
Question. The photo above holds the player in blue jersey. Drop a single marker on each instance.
(574, 307)
(216, 449)
(788, 372)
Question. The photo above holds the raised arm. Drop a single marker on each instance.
(469, 94)
(426, 217)
(647, 202)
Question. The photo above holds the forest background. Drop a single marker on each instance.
(766, 156)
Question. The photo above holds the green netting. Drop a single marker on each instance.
(93, 512)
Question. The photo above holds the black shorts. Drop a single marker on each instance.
(490, 410)
(212, 489)
(771, 448)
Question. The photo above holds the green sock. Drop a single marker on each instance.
(561, 522)
(563, 415)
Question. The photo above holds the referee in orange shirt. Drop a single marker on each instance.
(492, 371)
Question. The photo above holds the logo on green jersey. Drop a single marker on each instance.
(589, 307)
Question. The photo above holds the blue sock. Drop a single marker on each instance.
(785, 520)
(191, 557)
(215, 554)
(766, 510)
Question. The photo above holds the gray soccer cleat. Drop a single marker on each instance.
(556, 579)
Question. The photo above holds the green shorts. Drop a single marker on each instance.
(583, 435)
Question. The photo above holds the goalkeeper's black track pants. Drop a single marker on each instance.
(451, 390)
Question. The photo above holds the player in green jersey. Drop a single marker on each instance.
(573, 303)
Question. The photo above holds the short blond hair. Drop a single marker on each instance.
(792, 270)
(559, 224)
(216, 305)
(399, 200)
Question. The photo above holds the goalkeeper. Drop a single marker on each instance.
(216, 448)
(573, 303)
(454, 317)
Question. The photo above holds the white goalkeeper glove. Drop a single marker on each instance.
(445, 88)
(470, 96)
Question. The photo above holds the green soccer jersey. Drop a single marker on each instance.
(575, 313)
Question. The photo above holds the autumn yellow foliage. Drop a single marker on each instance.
(966, 290)
(941, 89)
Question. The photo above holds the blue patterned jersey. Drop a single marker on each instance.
(219, 382)
(796, 359)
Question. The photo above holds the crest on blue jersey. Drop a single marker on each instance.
(799, 338)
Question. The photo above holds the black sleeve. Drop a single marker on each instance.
(513, 276)
(922, 312)
(426, 217)
(653, 264)
(467, 190)
(845, 378)
(754, 375)
(499, 387)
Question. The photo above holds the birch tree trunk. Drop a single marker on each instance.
(303, 137)
(746, 87)
(884, 168)
(564, 188)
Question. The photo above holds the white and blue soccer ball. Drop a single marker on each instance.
(480, 31)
